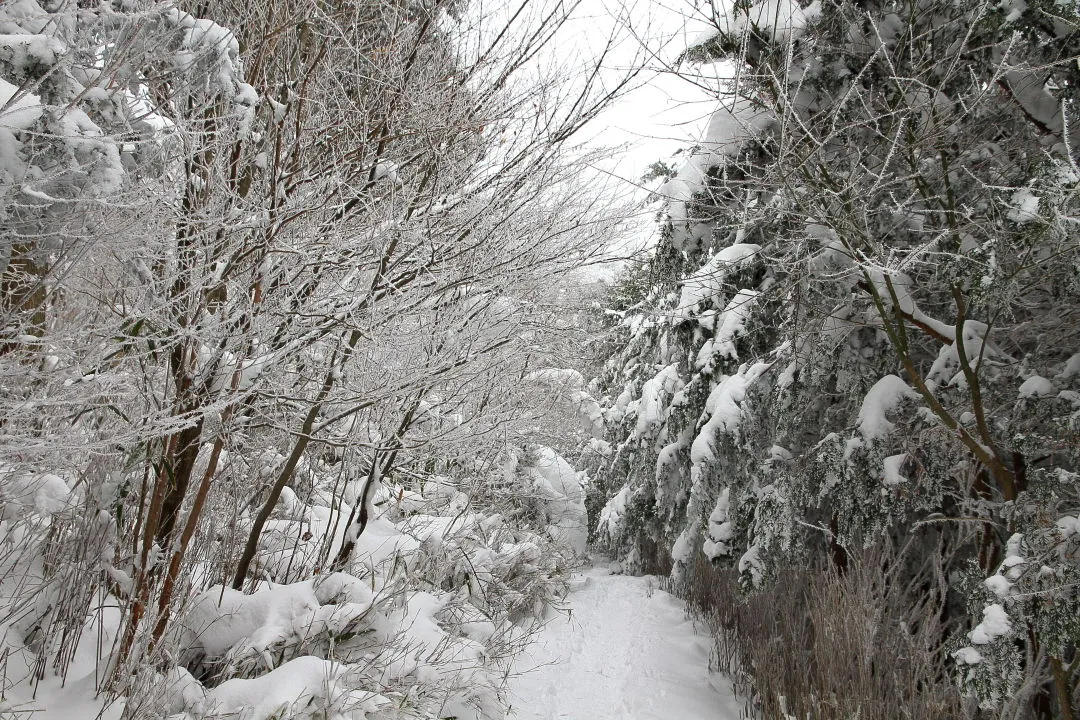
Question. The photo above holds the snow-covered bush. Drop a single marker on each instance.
(553, 492)
(437, 596)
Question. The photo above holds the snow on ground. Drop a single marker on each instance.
(623, 651)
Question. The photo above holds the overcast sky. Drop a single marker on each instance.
(665, 113)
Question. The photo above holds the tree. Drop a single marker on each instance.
(862, 327)
(305, 227)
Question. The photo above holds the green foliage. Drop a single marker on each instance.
(904, 171)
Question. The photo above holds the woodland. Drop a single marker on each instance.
(311, 402)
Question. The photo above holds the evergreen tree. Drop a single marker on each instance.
(860, 323)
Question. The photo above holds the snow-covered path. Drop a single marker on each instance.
(625, 652)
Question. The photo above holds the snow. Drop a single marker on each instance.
(1011, 567)
(417, 619)
(600, 447)
(721, 530)
(733, 323)
(655, 394)
(246, 95)
(282, 692)
(26, 15)
(731, 128)
(1068, 525)
(26, 56)
(833, 261)
(58, 700)
(750, 563)
(17, 113)
(387, 171)
(1013, 9)
(556, 482)
(29, 54)
(93, 150)
(1028, 87)
(590, 414)
(891, 467)
(225, 620)
(1014, 559)
(885, 396)
(998, 584)
(1072, 367)
(45, 494)
(612, 514)
(968, 656)
(425, 646)
(51, 495)
(1024, 206)
(223, 363)
(724, 410)
(890, 283)
(1036, 387)
(624, 650)
(571, 384)
(782, 20)
(995, 624)
(624, 405)
(205, 38)
(709, 281)
(55, 697)
(946, 368)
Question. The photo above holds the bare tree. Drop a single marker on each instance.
(308, 226)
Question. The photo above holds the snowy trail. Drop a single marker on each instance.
(625, 652)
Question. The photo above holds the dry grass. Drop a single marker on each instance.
(825, 645)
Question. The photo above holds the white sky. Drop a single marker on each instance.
(665, 113)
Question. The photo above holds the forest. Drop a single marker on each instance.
(312, 404)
